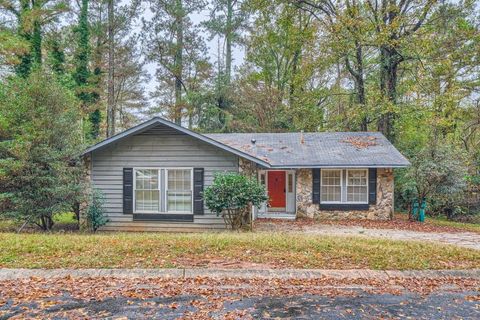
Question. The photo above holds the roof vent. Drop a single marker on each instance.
(253, 141)
(302, 138)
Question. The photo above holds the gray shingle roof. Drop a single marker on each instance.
(319, 149)
(286, 150)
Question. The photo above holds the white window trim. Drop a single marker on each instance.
(165, 176)
(346, 186)
(166, 190)
(341, 186)
(135, 190)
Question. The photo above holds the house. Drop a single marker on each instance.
(153, 175)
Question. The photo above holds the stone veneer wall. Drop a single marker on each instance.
(383, 210)
(303, 192)
(247, 167)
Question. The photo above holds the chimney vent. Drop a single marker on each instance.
(302, 138)
(253, 140)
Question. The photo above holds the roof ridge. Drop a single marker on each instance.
(298, 132)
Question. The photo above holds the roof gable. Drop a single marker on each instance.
(152, 123)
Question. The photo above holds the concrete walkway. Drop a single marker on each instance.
(11, 274)
(461, 239)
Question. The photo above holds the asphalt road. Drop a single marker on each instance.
(437, 305)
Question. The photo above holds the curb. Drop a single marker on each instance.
(12, 274)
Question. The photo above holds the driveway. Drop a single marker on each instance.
(462, 239)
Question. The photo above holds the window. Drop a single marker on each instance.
(262, 178)
(331, 186)
(344, 186)
(147, 193)
(357, 186)
(179, 190)
(290, 183)
(163, 190)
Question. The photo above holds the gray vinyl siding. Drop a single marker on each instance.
(156, 148)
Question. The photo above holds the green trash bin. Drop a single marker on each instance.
(415, 209)
(423, 206)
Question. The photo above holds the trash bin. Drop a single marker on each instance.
(421, 216)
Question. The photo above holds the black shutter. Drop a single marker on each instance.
(127, 190)
(198, 190)
(316, 185)
(372, 185)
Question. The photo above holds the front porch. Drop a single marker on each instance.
(281, 190)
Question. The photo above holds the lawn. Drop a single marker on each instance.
(442, 221)
(225, 250)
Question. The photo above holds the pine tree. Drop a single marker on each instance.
(57, 57)
(172, 41)
(39, 143)
(227, 20)
(82, 75)
(31, 16)
(111, 110)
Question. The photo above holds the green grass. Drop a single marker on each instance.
(442, 221)
(8, 225)
(163, 250)
(63, 221)
(66, 217)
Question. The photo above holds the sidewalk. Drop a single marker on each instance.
(10, 274)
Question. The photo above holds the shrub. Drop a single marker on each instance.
(96, 216)
(231, 195)
(438, 175)
(40, 138)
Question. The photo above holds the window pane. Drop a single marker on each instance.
(146, 179)
(147, 200)
(179, 190)
(290, 183)
(331, 186)
(357, 186)
(179, 201)
(179, 179)
(147, 195)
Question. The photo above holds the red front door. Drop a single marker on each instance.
(276, 189)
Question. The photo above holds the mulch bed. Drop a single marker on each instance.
(399, 222)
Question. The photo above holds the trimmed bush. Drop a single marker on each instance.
(231, 195)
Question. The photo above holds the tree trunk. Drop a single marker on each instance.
(76, 211)
(178, 63)
(357, 73)
(228, 36)
(360, 86)
(43, 223)
(295, 62)
(389, 59)
(37, 44)
(24, 67)
(111, 69)
(46, 222)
